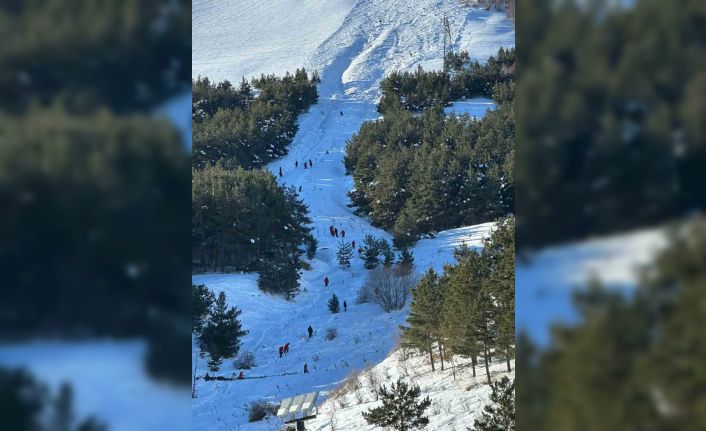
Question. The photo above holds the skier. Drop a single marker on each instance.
(343, 233)
(326, 281)
(241, 376)
(306, 369)
(281, 350)
(335, 231)
(311, 331)
(286, 348)
(280, 171)
(353, 244)
(345, 306)
(296, 163)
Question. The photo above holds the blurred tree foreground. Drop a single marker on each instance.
(94, 189)
(611, 116)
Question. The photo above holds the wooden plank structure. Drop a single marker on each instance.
(296, 410)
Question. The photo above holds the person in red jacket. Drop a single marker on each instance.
(241, 376)
(330, 229)
(326, 281)
(360, 250)
(286, 348)
(281, 350)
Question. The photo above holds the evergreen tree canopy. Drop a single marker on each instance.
(401, 409)
(333, 304)
(500, 414)
(632, 362)
(221, 334)
(201, 301)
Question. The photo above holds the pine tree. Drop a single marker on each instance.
(461, 317)
(388, 255)
(333, 304)
(500, 415)
(400, 408)
(371, 252)
(221, 335)
(499, 252)
(425, 316)
(201, 301)
(344, 254)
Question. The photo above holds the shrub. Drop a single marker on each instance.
(245, 361)
(331, 333)
(387, 288)
(259, 410)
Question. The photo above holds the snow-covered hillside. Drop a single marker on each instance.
(353, 44)
(546, 280)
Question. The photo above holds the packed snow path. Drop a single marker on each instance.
(375, 38)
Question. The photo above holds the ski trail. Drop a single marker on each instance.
(375, 37)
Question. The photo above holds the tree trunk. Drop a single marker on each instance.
(507, 356)
(441, 357)
(487, 369)
(473, 363)
(431, 356)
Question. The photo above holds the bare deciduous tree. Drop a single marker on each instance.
(387, 288)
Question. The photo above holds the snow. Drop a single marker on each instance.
(353, 44)
(456, 401)
(109, 382)
(476, 107)
(546, 280)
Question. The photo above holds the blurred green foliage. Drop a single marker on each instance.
(611, 114)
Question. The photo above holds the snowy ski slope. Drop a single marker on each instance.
(353, 44)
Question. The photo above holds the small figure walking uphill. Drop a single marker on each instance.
(311, 331)
(311, 163)
(305, 167)
(286, 348)
(335, 231)
(330, 229)
(306, 369)
(280, 171)
(353, 243)
(326, 281)
(345, 306)
(281, 350)
(343, 233)
(241, 376)
(296, 164)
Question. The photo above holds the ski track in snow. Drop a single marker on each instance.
(356, 46)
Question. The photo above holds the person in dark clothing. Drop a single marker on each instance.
(281, 350)
(353, 244)
(343, 233)
(341, 113)
(326, 281)
(280, 172)
(300, 188)
(305, 165)
(311, 331)
(345, 306)
(360, 250)
(335, 231)
(311, 163)
(296, 163)
(286, 348)
(306, 369)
